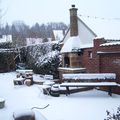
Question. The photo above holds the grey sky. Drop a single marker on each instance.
(44, 11)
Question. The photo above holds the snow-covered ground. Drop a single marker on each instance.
(88, 105)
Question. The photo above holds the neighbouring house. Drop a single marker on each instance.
(5, 38)
(84, 51)
(33, 41)
(57, 35)
(7, 54)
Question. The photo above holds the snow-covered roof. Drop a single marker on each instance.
(113, 52)
(71, 44)
(83, 40)
(111, 44)
(72, 69)
(107, 28)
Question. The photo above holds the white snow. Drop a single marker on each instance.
(110, 44)
(33, 41)
(90, 84)
(71, 44)
(109, 29)
(25, 112)
(114, 52)
(2, 100)
(68, 68)
(87, 105)
(98, 38)
(6, 38)
(90, 76)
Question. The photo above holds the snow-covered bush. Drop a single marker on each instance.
(6, 60)
(6, 45)
(6, 57)
(43, 58)
(113, 116)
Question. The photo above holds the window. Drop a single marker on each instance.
(90, 55)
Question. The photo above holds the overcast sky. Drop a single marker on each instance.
(44, 11)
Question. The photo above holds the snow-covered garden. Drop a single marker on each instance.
(87, 105)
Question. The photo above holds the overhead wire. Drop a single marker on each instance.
(100, 18)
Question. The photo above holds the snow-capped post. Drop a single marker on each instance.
(2, 103)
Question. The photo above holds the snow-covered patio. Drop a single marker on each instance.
(88, 105)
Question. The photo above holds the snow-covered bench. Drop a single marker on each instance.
(89, 76)
(110, 85)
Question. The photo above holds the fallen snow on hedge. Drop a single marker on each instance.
(41, 53)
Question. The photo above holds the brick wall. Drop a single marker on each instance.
(110, 60)
(91, 62)
(107, 61)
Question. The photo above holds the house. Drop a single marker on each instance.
(7, 54)
(33, 41)
(84, 51)
(57, 35)
(5, 38)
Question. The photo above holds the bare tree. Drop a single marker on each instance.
(0, 13)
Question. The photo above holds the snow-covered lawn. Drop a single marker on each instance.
(88, 105)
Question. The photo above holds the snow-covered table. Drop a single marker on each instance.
(90, 84)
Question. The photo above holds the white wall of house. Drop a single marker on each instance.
(6, 38)
(58, 34)
(33, 41)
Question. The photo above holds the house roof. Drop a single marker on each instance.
(107, 28)
(83, 40)
(71, 44)
(111, 44)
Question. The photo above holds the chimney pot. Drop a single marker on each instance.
(73, 6)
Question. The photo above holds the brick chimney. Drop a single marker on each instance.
(73, 21)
